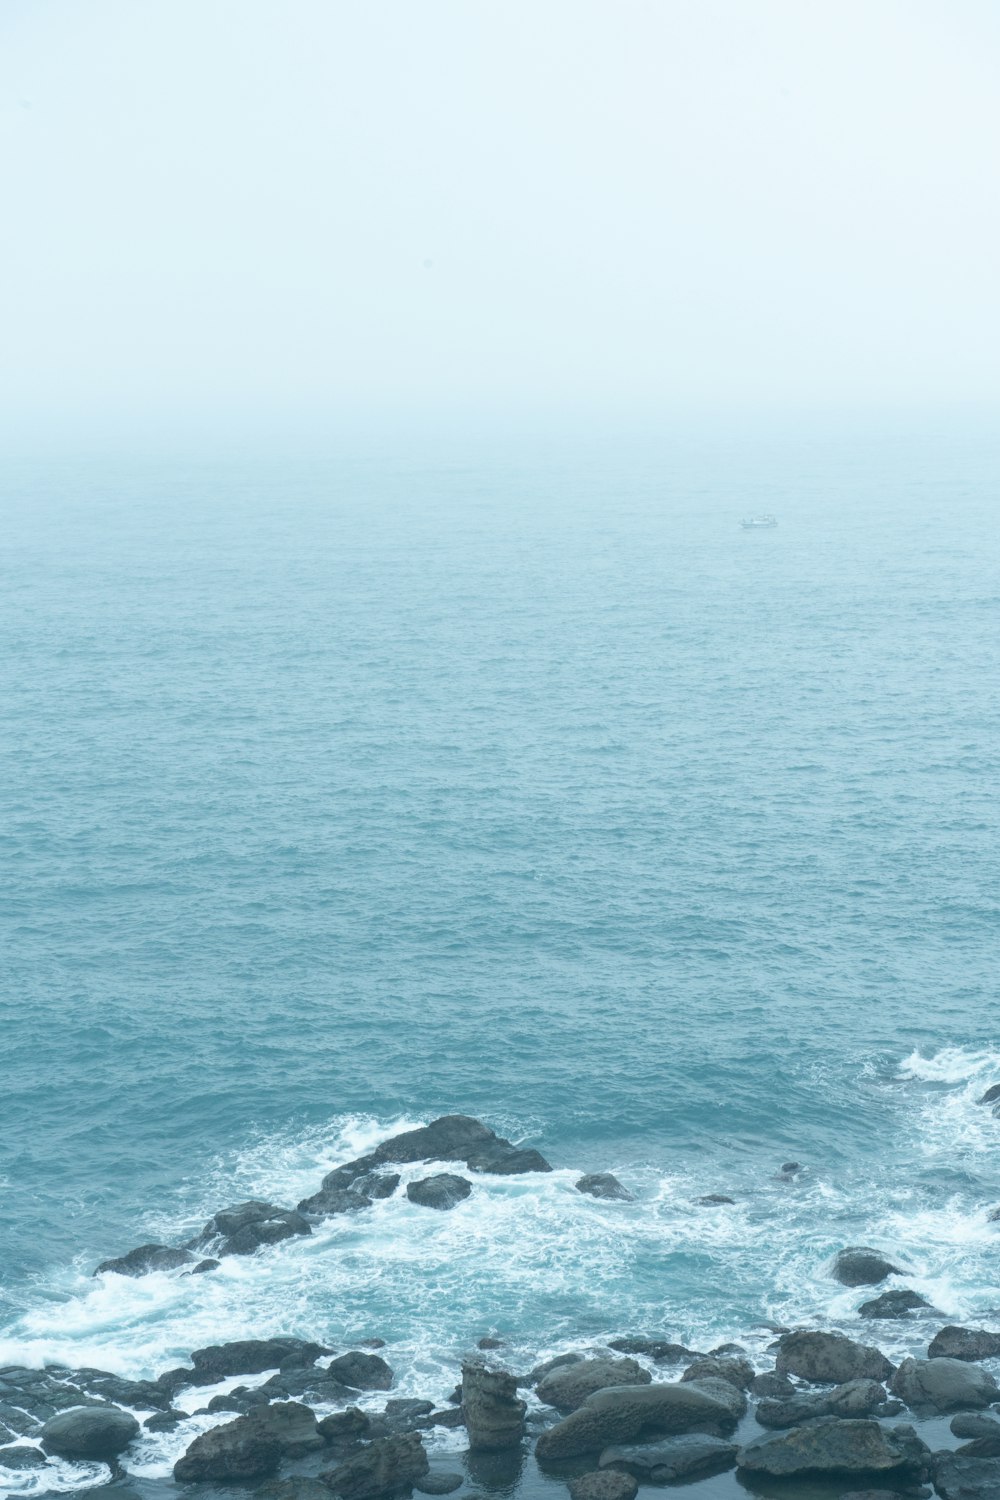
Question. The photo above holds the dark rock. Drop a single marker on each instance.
(943, 1385)
(725, 1393)
(295, 1487)
(100, 1432)
(377, 1185)
(246, 1227)
(164, 1421)
(146, 1258)
(861, 1266)
(330, 1201)
(22, 1456)
(834, 1447)
(829, 1358)
(243, 1400)
(991, 1095)
(253, 1445)
(438, 1482)
(993, 1217)
(974, 1424)
(450, 1416)
(363, 1372)
(673, 1460)
(604, 1185)
(714, 1199)
(738, 1371)
(910, 1492)
(246, 1357)
(208, 1264)
(491, 1407)
(959, 1477)
(855, 1398)
(459, 1138)
(344, 1426)
(444, 1191)
(791, 1167)
(489, 1343)
(312, 1385)
(609, 1485)
(774, 1387)
(627, 1414)
(387, 1466)
(893, 1305)
(115, 1390)
(407, 1406)
(964, 1343)
(560, 1362)
(661, 1350)
(983, 1447)
(568, 1388)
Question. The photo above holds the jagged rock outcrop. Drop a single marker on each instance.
(829, 1358)
(860, 1265)
(248, 1357)
(492, 1410)
(99, 1432)
(146, 1258)
(246, 1227)
(663, 1351)
(604, 1185)
(833, 1447)
(387, 1466)
(856, 1398)
(568, 1387)
(252, 1446)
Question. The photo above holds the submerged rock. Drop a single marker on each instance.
(944, 1385)
(568, 1387)
(959, 1477)
(673, 1460)
(893, 1305)
(835, 1447)
(146, 1258)
(245, 1227)
(100, 1432)
(628, 1413)
(829, 1358)
(252, 1446)
(610, 1485)
(964, 1343)
(492, 1410)
(859, 1265)
(443, 1191)
(604, 1185)
(22, 1456)
(386, 1467)
(438, 1482)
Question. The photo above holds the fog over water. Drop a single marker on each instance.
(270, 220)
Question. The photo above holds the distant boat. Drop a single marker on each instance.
(758, 523)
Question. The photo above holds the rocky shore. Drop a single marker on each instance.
(812, 1412)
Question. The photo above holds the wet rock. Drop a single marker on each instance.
(910, 1492)
(604, 1185)
(738, 1371)
(296, 1487)
(208, 1264)
(489, 1343)
(835, 1447)
(974, 1424)
(450, 1416)
(330, 1201)
(164, 1421)
(943, 1385)
(560, 1362)
(443, 1191)
(991, 1095)
(246, 1227)
(100, 1432)
(492, 1410)
(344, 1426)
(959, 1477)
(246, 1357)
(386, 1467)
(22, 1456)
(829, 1358)
(964, 1343)
(673, 1460)
(856, 1398)
(609, 1485)
(459, 1138)
(243, 1400)
(252, 1446)
(663, 1351)
(363, 1372)
(115, 1390)
(893, 1305)
(568, 1388)
(773, 1387)
(628, 1414)
(312, 1385)
(709, 1200)
(146, 1258)
(438, 1482)
(860, 1265)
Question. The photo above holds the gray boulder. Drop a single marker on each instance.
(253, 1445)
(386, 1467)
(22, 1456)
(974, 1424)
(893, 1305)
(964, 1343)
(146, 1258)
(491, 1408)
(443, 1191)
(559, 1362)
(856, 1398)
(834, 1447)
(673, 1460)
(246, 1227)
(248, 1357)
(959, 1477)
(604, 1185)
(829, 1358)
(772, 1387)
(943, 1385)
(363, 1372)
(738, 1371)
(438, 1482)
(630, 1413)
(342, 1427)
(610, 1485)
(567, 1388)
(100, 1432)
(860, 1265)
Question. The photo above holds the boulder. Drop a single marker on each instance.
(567, 1388)
(443, 1191)
(991, 1096)
(725, 1393)
(663, 1351)
(944, 1385)
(629, 1413)
(100, 1432)
(146, 1258)
(974, 1424)
(829, 1358)
(604, 1185)
(693, 1455)
(165, 1421)
(330, 1201)
(773, 1387)
(459, 1138)
(386, 1467)
(363, 1372)
(438, 1482)
(859, 1265)
(22, 1456)
(893, 1305)
(208, 1264)
(246, 1357)
(246, 1227)
(489, 1342)
(964, 1343)
(959, 1477)
(252, 1446)
(856, 1398)
(738, 1371)
(833, 1447)
(491, 1408)
(560, 1362)
(116, 1390)
(610, 1485)
(344, 1426)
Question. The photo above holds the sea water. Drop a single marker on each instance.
(344, 791)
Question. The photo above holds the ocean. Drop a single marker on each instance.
(344, 791)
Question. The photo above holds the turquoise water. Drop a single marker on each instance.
(522, 782)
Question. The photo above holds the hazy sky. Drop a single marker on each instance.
(282, 214)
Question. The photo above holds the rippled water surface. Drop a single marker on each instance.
(349, 792)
